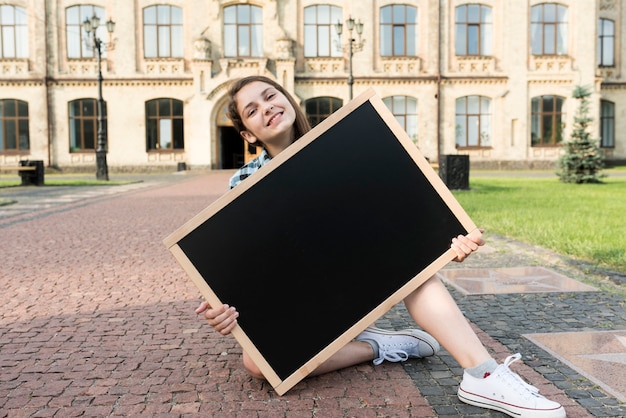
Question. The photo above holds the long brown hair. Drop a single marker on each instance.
(301, 124)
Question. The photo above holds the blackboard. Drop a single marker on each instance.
(323, 240)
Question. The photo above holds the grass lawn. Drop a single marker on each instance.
(585, 221)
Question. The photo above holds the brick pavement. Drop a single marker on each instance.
(96, 319)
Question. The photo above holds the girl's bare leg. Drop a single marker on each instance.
(353, 353)
(432, 307)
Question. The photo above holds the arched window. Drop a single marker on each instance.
(473, 121)
(74, 18)
(473, 30)
(606, 43)
(163, 32)
(243, 31)
(547, 120)
(319, 108)
(320, 36)
(548, 29)
(398, 31)
(13, 32)
(404, 108)
(83, 124)
(14, 134)
(164, 125)
(607, 124)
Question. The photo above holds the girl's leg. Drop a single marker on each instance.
(432, 307)
(353, 353)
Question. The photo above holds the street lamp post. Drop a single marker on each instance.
(353, 46)
(90, 26)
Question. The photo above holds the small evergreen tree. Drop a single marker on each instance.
(582, 161)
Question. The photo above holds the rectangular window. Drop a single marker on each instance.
(165, 133)
(243, 28)
(164, 125)
(150, 38)
(606, 43)
(398, 36)
(244, 41)
(90, 132)
(10, 128)
(473, 121)
(607, 124)
(230, 48)
(548, 29)
(78, 41)
(163, 32)
(13, 32)
(14, 132)
(473, 30)
(398, 30)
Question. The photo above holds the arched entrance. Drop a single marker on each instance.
(231, 149)
(229, 145)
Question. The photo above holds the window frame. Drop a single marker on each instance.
(390, 38)
(483, 29)
(82, 120)
(538, 118)
(155, 125)
(544, 29)
(76, 36)
(252, 30)
(314, 30)
(16, 29)
(479, 118)
(606, 43)
(165, 44)
(19, 121)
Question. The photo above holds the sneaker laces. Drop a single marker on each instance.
(393, 355)
(506, 371)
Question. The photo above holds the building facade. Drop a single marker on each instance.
(492, 79)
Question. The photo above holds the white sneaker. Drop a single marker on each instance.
(504, 391)
(400, 345)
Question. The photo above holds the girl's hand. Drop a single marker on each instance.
(465, 245)
(223, 319)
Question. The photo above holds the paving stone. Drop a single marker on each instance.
(96, 319)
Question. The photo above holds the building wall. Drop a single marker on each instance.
(511, 77)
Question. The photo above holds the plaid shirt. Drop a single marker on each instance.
(249, 169)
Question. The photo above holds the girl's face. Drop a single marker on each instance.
(267, 115)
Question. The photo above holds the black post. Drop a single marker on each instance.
(102, 171)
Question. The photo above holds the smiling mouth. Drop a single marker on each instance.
(269, 122)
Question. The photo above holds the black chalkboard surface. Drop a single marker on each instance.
(323, 240)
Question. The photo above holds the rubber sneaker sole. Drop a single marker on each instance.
(510, 410)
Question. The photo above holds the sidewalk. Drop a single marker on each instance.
(96, 319)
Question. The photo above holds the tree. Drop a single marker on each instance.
(582, 161)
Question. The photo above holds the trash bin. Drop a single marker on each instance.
(32, 177)
(454, 171)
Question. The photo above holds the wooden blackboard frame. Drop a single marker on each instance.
(361, 219)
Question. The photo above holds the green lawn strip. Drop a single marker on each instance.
(584, 221)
